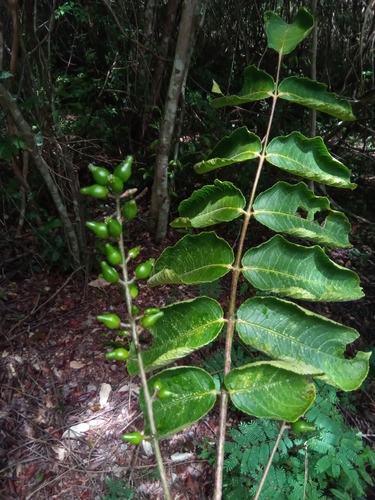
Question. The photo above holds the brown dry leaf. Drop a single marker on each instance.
(99, 283)
(30, 471)
(41, 418)
(60, 452)
(50, 401)
(76, 365)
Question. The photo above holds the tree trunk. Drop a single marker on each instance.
(160, 198)
(27, 135)
(160, 63)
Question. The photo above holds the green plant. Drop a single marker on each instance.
(119, 257)
(52, 241)
(296, 345)
(118, 490)
(331, 460)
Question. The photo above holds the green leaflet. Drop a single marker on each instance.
(194, 395)
(194, 259)
(314, 95)
(301, 341)
(239, 146)
(308, 158)
(277, 208)
(284, 37)
(266, 391)
(211, 205)
(257, 85)
(185, 327)
(287, 269)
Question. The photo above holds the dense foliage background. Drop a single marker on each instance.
(91, 81)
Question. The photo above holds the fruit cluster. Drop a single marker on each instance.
(113, 184)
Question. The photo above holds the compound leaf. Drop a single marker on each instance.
(278, 208)
(308, 158)
(257, 85)
(266, 391)
(211, 205)
(193, 396)
(185, 327)
(239, 146)
(303, 342)
(194, 259)
(314, 95)
(287, 269)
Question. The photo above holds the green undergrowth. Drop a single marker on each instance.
(331, 462)
(118, 490)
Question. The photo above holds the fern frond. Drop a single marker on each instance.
(270, 428)
(251, 460)
(365, 475)
(328, 424)
(321, 446)
(254, 431)
(336, 457)
(353, 476)
(265, 452)
(297, 492)
(323, 464)
(340, 495)
(230, 463)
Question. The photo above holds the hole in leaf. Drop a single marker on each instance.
(320, 217)
(302, 212)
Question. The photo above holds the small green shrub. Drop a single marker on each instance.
(118, 491)
(297, 346)
(330, 461)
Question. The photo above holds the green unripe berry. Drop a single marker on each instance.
(113, 254)
(115, 184)
(151, 310)
(124, 169)
(133, 437)
(114, 227)
(150, 320)
(302, 426)
(99, 228)
(132, 254)
(133, 290)
(143, 270)
(109, 273)
(110, 320)
(99, 174)
(96, 191)
(130, 210)
(119, 354)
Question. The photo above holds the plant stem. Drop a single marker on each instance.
(270, 460)
(232, 302)
(148, 399)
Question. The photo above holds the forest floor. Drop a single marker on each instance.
(63, 406)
